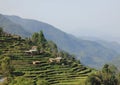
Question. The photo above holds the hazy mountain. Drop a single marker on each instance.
(12, 27)
(109, 44)
(90, 52)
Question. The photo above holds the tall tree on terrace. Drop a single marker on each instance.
(41, 42)
(41, 38)
(1, 30)
(106, 77)
(53, 48)
(6, 66)
(35, 38)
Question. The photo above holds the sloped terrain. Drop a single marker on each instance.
(12, 45)
(71, 73)
(54, 74)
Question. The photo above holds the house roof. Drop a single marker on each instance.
(58, 58)
(34, 48)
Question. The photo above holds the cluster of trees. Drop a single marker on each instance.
(6, 69)
(5, 66)
(107, 76)
(39, 40)
(1, 30)
(44, 45)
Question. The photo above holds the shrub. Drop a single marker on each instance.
(42, 82)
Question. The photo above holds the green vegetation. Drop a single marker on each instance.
(42, 82)
(1, 31)
(6, 67)
(36, 61)
(18, 66)
(22, 81)
(108, 76)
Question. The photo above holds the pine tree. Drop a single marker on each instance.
(6, 67)
(35, 37)
(41, 38)
(1, 30)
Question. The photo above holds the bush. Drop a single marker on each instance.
(22, 81)
(42, 82)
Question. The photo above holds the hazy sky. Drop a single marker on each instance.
(99, 18)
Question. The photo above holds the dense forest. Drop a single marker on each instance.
(37, 61)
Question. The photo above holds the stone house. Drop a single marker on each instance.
(57, 60)
(32, 51)
(36, 62)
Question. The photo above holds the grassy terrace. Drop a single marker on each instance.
(55, 74)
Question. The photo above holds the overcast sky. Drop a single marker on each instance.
(98, 18)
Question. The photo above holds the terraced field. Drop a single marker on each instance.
(11, 45)
(73, 73)
(55, 74)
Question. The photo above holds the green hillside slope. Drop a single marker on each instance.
(66, 72)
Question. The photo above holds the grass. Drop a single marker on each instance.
(55, 74)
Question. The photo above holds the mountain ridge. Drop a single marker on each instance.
(18, 29)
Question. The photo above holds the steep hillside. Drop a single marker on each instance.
(91, 53)
(66, 72)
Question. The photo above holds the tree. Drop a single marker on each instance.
(35, 37)
(105, 77)
(53, 48)
(106, 69)
(118, 77)
(42, 82)
(108, 75)
(6, 67)
(38, 37)
(94, 79)
(1, 30)
(41, 38)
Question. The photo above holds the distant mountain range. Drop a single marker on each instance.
(89, 52)
(109, 44)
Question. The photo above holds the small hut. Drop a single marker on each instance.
(57, 60)
(32, 51)
(36, 62)
(51, 60)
